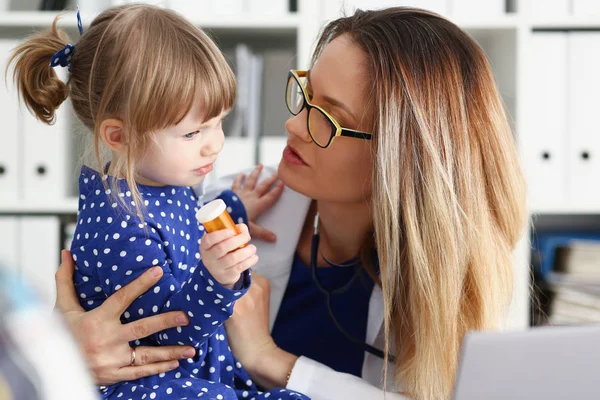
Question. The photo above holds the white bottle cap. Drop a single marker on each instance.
(210, 211)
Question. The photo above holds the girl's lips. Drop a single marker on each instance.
(204, 170)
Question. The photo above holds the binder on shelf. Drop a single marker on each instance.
(227, 7)
(584, 118)
(45, 158)
(438, 6)
(9, 237)
(93, 7)
(267, 7)
(550, 8)
(40, 254)
(544, 141)
(477, 8)
(161, 3)
(237, 126)
(192, 9)
(277, 63)
(10, 134)
(255, 96)
(586, 7)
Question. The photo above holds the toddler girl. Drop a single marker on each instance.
(154, 89)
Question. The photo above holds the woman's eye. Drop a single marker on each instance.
(191, 135)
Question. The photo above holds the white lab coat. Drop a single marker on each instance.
(286, 219)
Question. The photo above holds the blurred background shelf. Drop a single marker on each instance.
(43, 19)
(66, 206)
(532, 46)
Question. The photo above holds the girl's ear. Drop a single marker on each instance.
(111, 132)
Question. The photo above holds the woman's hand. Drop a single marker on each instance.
(257, 198)
(104, 340)
(250, 340)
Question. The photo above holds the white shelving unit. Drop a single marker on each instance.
(507, 39)
(43, 19)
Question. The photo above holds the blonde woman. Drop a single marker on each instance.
(401, 161)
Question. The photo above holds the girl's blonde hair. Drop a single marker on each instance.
(448, 191)
(141, 64)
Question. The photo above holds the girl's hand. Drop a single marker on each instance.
(257, 198)
(104, 341)
(222, 256)
(250, 340)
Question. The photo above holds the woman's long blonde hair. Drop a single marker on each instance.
(448, 191)
(138, 63)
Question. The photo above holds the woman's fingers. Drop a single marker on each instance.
(118, 302)
(135, 372)
(146, 355)
(147, 326)
(66, 296)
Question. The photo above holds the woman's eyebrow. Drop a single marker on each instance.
(334, 102)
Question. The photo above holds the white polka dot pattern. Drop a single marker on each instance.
(112, 247)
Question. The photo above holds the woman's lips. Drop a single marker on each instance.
(292, 157)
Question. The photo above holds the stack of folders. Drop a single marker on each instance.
(576, 283)
(243, 124)
(571, 267)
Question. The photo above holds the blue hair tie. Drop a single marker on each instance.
(64, 56)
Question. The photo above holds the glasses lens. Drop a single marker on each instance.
(294, 96)
(320, 127)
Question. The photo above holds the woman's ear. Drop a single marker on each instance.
(111, 132)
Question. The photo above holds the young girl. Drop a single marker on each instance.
(154, 89)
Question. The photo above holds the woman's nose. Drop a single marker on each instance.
(296, 125)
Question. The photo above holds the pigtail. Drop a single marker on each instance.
(39, 86)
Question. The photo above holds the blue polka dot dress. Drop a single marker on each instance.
(112, 246)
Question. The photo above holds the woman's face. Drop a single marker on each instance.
(341, 172)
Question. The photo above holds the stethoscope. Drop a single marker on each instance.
(343, 289)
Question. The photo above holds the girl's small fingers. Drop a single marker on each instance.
(235, 257)
(234, 273)
(250, 183)
(212, 239)
(244, 265)
(237, 183)
(266, 184)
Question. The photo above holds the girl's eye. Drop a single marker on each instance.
(191, 135)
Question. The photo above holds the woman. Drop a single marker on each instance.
(421, 189)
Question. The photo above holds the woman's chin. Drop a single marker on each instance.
(290, 177)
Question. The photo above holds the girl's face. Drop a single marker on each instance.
(182, 154)
(341, 172)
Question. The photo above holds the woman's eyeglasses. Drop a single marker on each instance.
(322, 127)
